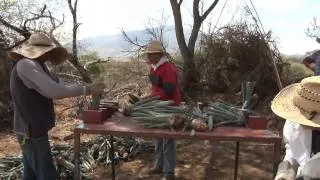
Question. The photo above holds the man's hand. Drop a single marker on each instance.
(96, 89)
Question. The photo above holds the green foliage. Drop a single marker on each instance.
(93, 55)
(95, 70)
(294, 72)
(292, 58)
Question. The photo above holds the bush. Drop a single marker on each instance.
(95, 70)
(294, 72)
(236, 53)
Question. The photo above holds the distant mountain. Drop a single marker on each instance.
(115, 45)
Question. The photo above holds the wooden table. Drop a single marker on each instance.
(120, 125)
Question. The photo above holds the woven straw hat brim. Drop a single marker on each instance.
(32, 52)
(283, 106)
(153, 51)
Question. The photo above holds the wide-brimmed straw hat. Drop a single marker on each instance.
(300, 102)
(154, 47)
(37, 45)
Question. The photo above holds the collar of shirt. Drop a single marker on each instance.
(162, 60)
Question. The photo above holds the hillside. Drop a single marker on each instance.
(115, 45)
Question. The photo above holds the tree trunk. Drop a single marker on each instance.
(187, 55)
(83, 72)
(74, 58)
(5, 97)
(187, 51)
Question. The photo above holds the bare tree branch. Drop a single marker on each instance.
(207, 12)
(130, 40)
(196, 13)
(22, 32)
(187, 51)
(74, 57)
(179, 28)
(99, 61)
(16, 44)
(36, 17)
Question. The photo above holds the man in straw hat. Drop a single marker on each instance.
(163, 76)
(33, 89)
(299, 104)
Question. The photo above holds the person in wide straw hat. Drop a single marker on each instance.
(163, 77)
(33, 89)
(299, 105)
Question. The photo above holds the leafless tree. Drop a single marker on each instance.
(187, 49)
(40, 19)
(74, 56)
(314, 30)
(29, 25)
(155, 29)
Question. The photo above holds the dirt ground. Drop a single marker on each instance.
(195, 159)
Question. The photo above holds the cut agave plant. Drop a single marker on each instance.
(199, 125)
(177, 121)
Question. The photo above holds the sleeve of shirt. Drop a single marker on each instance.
(289, 156)
(169, 81)
(34, 77)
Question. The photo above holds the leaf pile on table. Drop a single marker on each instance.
(152, 112)
(94, 152)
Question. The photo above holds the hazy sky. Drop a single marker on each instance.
(287, 19)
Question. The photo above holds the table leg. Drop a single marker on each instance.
(236, 161)
(276, 156)
(76, 155)
(112, 159)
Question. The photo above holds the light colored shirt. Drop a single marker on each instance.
(162, 60)
(34, 77)
(298, 141)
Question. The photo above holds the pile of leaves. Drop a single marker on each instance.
(152, 112)
(94, 152)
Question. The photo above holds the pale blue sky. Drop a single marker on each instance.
(287, 19)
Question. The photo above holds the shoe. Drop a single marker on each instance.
(155, 170)
(170, 177)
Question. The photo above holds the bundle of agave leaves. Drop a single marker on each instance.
(155, 113)
(93, 153)
(221, 113)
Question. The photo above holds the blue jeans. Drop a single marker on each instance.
(165, 150)
(37, 159)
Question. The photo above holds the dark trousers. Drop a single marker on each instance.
(37, 159)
